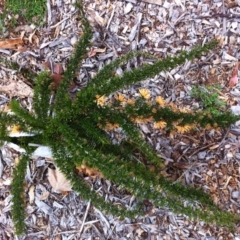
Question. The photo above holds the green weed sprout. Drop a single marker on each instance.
(209, 98)
(31, 11)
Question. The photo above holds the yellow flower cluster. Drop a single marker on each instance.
(101, 100)
(130, 101)
(160, 101)
(15, 129)
(120, 97)
(159, 125)
(142, 120)
(145, 93)
(109, 126)
(184, 129)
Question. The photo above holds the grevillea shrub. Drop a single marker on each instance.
(74, 130)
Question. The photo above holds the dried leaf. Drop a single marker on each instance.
(55, 68)
(31, 194)
(19, 89)
(92, 172)
(58, 68)
(57, 78)
(11, 43)
(234, 79)
(58, 181)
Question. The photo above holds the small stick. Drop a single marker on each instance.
(111, 17)
(222, 15)
(84, 218)
(224, 19)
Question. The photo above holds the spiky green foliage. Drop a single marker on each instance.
(18, 194)
(74, 129)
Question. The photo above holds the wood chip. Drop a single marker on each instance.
(157, 2)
